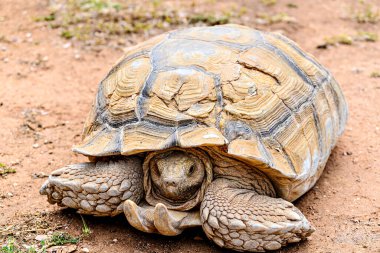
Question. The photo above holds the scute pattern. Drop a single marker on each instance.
(251, 95)
(185, 86)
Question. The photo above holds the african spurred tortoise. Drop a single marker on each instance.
(220, 127)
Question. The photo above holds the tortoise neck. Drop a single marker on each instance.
(244, 174)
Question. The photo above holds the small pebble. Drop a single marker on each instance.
(41, 238)
(27, 247)
(67, 45)
(15, 162)
(85, 250)
(39, 175)
(62, 249)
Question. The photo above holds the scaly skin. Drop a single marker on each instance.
(97, 188)
(235, 216)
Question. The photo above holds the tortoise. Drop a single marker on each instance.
(220, 127)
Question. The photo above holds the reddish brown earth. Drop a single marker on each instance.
(46, 90)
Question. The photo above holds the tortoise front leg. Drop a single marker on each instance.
(159, 219)
(97, 188)
(237, 217)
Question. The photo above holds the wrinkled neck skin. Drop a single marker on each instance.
(177, 177)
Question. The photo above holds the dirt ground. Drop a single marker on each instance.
(47, 84)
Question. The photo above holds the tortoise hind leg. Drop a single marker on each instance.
(97, 188)
(239, 218)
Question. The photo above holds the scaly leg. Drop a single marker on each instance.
(97, 188)
(239, 218)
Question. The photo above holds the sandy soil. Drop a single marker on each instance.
(46, 90)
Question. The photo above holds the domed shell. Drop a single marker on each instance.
(253, 95)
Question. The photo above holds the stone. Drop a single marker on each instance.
(41, 238)
(62, 249)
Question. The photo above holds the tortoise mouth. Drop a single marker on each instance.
(176, 177)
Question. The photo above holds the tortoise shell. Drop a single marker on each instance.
(255, 96)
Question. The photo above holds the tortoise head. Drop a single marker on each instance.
(176, 177)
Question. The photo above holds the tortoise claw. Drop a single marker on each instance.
(167, 223)
(139, 217)
(159, 219)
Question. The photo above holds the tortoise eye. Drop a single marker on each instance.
(191, 170)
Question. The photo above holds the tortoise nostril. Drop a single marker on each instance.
(170, 182)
